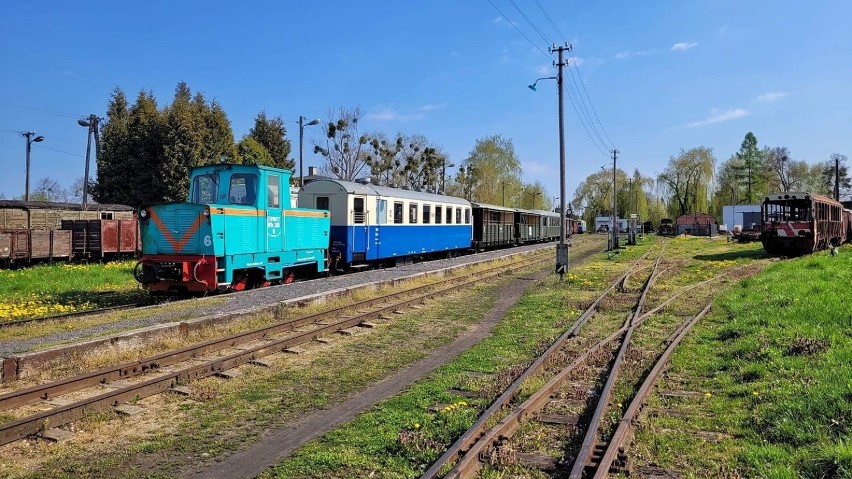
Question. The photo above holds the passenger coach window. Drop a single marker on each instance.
(427, 214)
(359, 211)
(397, 213)
(438, 212)
(272, 191)
(322, 202)
(243, 190)
(449, 215)
(458, 216)
(495, 217)
(203, 190)
(412, 213)
(467, 216)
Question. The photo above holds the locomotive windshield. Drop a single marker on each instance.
(204, 189)
(243, 190)
(787, 210)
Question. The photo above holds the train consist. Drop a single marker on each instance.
(799, 223)
(239, 231)
(36, 231)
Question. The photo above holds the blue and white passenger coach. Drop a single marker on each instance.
(371, 223)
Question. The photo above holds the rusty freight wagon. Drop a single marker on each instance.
(34, 231)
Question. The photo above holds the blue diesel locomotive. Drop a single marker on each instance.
(237, 231)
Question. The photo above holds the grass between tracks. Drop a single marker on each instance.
(52, 289)
(222, 416)
(774, 363)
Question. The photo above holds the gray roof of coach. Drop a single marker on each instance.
(494, 207)
(386, 191)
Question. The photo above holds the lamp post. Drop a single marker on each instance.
(302, 126)
(444, 166)
(562, 247)
(533, 194)
(92, 125)
(30, 140)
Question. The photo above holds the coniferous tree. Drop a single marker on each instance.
(272, 135)
(251, 152)
(144, 152)
(182, 146)
(112, 174)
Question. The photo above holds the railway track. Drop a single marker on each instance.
(108, 309)
(490, 440)
(172, 370)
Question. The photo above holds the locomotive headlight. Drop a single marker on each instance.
(206, 212)
(143, 214)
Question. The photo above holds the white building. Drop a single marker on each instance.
(744, 216)
(607, 222)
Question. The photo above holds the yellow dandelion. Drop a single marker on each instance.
(416, 425)
(708, 394)
(755, 393)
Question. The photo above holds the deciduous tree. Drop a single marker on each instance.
(491, 168)
(344, 149)
(687, 179)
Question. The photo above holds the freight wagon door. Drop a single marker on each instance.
(360, 229)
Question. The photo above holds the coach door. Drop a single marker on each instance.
(381, 220)
(360, 229)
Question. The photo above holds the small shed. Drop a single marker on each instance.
(743, 216)
(696, 224)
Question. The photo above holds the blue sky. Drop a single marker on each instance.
(661, 76)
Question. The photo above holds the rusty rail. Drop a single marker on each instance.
(626, 424)
(592, 429)
(34, 424)
(474, 436)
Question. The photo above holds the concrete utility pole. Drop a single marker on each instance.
(29, 136)
(561, 248)
(837, 177)
(92, 125)
(614, 230)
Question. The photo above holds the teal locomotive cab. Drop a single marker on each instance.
(238, 231)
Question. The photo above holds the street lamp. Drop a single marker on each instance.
(562, 247)
(38, 139)
(533, 86)
(92, 125)
(302, 126)
(444, 166)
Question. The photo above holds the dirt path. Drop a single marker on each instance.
(280, 443)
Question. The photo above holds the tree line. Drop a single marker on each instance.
(147, 151)
(693, 181)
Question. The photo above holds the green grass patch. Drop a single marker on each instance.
(51, 289)
(775, 356)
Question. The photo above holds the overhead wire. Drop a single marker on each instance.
(58, 151)
(519, 30)
(579, 75)
(43, 110)
(582, 111)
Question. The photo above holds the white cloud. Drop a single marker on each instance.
(772, 97)
(431, 107)
(632, 53)
(576, 61)
(388, 113)
(722, 30)
(719, 117)
(682, 47)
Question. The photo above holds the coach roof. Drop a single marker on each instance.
(354, 188)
